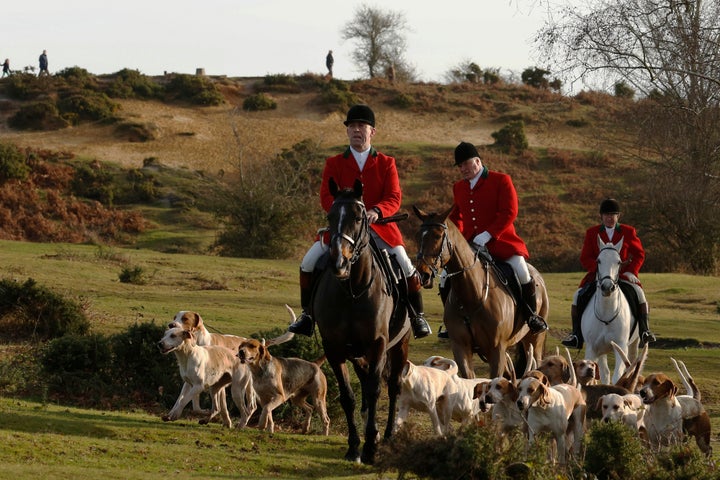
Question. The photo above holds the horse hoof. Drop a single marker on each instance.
(352, 457)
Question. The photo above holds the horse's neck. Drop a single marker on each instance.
(464, 260)
(362, 270)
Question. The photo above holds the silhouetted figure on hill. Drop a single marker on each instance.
(43, 64)
(329, 62)
(6, 68)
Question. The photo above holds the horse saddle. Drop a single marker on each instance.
(505, 274)
(588, 291)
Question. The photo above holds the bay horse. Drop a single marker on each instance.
(608, 317)
(359, 320)
(480, 314)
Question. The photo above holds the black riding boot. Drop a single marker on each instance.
(575, 338)
(418, 323)
(304, 324)
(536, 323)
(646, 336)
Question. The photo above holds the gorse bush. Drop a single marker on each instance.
(132, 84)
(86, 106)
(12, 163)
(32, 312)
(43, 115)
(195, 89)
(511, 138)
(614, 451)
(259, 102)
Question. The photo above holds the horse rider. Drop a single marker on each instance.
(382, 197)
(632, 256)
(486, 205)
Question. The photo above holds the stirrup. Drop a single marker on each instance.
(303, 325)
(572, 341)
(420, 326)
(443, 333)
(537, 324)
(646, 337)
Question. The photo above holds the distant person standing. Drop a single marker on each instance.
(329, 62)
(6, 68)
(43, 64)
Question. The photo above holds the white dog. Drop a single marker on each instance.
(204, 368)
(627, 409)
(460, 403)
(558, 409)
(423, 388)
(501, 395)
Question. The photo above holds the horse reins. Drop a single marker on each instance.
(598, 282)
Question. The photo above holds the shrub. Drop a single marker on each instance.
(22, 86)
(535, 77)
(402, 100)
(195, 89)
(94, 183)
(511, 138)
(139, 369)
(337, 95)
(42, 115)
(78, 367)
(29, 311)
(623, 90)
(12, 163)
(87, 106)
(134, 275)
(131, 83)
(77, 77)
(613, 451)
(259, 102)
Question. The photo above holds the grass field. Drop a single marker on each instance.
(243, 296)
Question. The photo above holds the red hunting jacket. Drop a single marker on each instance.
(381, 187)
(632, 250)
(493, 206)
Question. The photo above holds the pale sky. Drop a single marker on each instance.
(248, 38)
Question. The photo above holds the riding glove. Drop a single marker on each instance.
(482, 238)
(630, 277)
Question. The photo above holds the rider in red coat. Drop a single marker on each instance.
(382, 197)
(486, 205)
(632, 254)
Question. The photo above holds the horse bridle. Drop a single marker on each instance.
(356, 247)
(445, 243)
(599, 279)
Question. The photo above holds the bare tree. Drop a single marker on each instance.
(379, 40)
(669, 51)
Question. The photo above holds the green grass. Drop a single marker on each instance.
(244, 296)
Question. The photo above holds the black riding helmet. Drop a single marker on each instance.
(360, 113)
(609, 206)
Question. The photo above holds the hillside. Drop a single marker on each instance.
(559, 180)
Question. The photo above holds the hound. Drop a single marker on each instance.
(627, 409)
(558, 409)
(424, 388)
(278, 379)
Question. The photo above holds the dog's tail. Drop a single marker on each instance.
(320, 360)
(687, 380)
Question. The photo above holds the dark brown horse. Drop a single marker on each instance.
(359, 320)
(480, 314)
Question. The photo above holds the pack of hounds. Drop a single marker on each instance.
(556, 396)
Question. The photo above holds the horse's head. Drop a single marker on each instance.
(608, 266)
(348, 227)
(434, 247)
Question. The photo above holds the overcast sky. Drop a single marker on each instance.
(244, 38)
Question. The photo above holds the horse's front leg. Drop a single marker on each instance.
(496, 360)
(347, 401)
(371, 391)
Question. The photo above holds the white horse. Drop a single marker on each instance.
(607, 317)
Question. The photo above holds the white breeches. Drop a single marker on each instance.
(638, 291)
(318, 248)
(518, 265)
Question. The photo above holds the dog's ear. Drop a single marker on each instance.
(479, 389)
(597, 371)
(513, 391)
(545, 380)
(197, 321)
(186, 335)
(544, 394)
(598, 405)
(566, 375)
